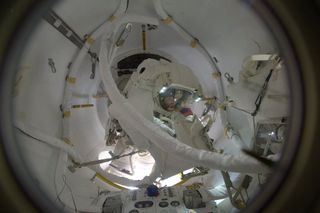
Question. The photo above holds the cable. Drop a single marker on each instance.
(64, 178)
(26, 134)
(58, 195)
(55, 185)
(61, 191)
(258, 45)
(242, 110)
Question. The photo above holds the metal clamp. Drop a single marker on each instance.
(229, 78)
(51, 64)
(94, 60)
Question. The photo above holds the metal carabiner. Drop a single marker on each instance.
(94, 59)
(229, 78)
(51, 64)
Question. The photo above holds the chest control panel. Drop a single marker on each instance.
(167, 200)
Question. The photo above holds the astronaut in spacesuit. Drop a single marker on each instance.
(164, 93)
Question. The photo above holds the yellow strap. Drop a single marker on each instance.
(87, 105)
(77, 106)
(144, 45)
(182, 182)
(240, 204)
(102, 178)
(194, 186)
(100, 96)
(216, 75)
(111, 18)
(194, 43)
(222, 106)
(90, 40)
(67, 141)
(66, 114)
(167, 20)
(208, 98)
(225, 130)
(71, 80)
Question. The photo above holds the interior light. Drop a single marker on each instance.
(197, 99)
(271, 134)
(104, 155)
(163, 90)
(130, 187)
(219, 201)
(173, 180)
(187, 171)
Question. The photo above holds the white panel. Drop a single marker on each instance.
(84, 16)
(41, 160)
(40, 92)
(228, 28)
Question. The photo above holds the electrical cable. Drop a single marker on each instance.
(62, 190)
(65, 184)
(55, 185)
(258, 45)
(242, 110)
(64, 178)
(58, 195)
(96, 199)
(26, 134)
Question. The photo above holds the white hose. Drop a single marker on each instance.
(50, 140)
(68, 91)
(69, 88)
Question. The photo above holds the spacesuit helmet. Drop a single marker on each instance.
(177, 97)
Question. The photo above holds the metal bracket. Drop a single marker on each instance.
(229, 78)
(239, 204)
(52, 66)
(94, 60)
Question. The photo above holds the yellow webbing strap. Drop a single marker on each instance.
(194, 43)
(167, 20)
(194, 186)
(205, 98)
(71, 80)
(102, 178)
(100, 96)
(77, 106)
(67, 141)
(90, 40)
(66, 114)
(222, 106)
(216, 75)
(182, 182)
(144, 43)
(240, 204)
(87, 105)
(111, 18)
(225, 130)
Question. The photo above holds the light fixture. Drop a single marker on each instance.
(197, 99)
(104, 155)
(163, 90)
